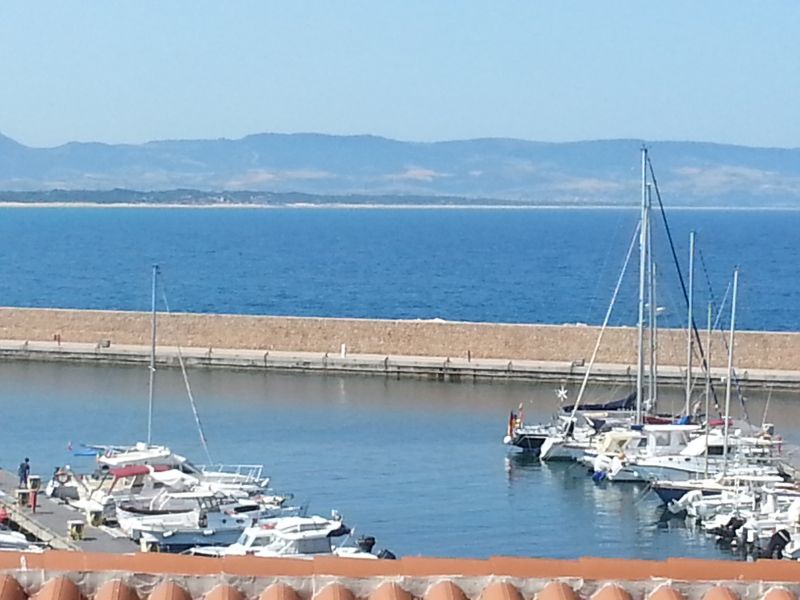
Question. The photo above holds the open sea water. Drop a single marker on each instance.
(418, 464)
(527, 266)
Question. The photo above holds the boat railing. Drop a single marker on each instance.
(249, 471)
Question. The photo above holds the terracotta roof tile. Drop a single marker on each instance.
(611, 591)
(10, 589)
(224, 592)
(334, 591)
(500, 590)
(444, 590)
(389, 591)
(665, 592)
(277, 591)
(116, 590)
(59, 588)
(557, 590)
(720, 592)
(775, 593)
(169, 590)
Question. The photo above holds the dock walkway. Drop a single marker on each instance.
(49, 523)
(440, 368)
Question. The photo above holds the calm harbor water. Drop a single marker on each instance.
(418, 464)
(539, 266)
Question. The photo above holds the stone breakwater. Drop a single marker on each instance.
(454, 340)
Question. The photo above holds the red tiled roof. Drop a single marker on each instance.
(78, 576)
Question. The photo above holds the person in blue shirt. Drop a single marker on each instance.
(23, 472)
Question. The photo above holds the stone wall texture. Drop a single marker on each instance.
(754, 350)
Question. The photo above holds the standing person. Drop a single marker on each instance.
(23, 472)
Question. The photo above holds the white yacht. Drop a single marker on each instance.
(706, 454)
(619, 463)
(295, 537)
(164, 466)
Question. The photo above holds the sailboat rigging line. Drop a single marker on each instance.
(196, 414)
(152, 367)
(589, 317)
(739, 392)
(718, 319)
(766, 408)
(605, 322)
(677, 263)
(708, 279)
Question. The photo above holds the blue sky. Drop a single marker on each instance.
(95, 70)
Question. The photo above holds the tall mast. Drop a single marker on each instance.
(654, 344)
(708, 380)
(730, 370)
(651, 313)
(690, 328)
(643, 233)
(152, 357)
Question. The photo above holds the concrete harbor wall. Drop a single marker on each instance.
(387, 346)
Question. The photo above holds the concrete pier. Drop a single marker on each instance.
(394, 366)
(49, 524)
(447, 351)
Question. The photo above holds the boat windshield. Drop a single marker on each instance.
(250, 540)
(188, 468)
(310, 546)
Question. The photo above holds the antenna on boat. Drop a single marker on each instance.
(729, 380)
(152, 357)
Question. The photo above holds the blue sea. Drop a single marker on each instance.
(418, 464)
(527, 266)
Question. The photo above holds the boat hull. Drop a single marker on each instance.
(180, 540)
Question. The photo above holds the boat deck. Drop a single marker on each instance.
(50, 522)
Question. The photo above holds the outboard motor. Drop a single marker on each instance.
(779, 540)
(387, 554)
(365, 544)
(728, 531)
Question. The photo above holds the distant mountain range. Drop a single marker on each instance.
(281, 168)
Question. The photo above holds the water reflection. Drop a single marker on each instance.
(418, 464)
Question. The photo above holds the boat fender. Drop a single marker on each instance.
(686, 500)
(602, 463)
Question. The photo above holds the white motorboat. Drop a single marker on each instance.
(705, 455)
(672, 491)
(176, 522)
(295, 537)
(14, 541)
(188, 510)
(636, 445)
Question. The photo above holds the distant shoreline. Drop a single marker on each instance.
(375, 206)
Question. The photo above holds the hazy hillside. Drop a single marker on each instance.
(367, 166)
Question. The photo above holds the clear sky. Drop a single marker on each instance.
(114, 71)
